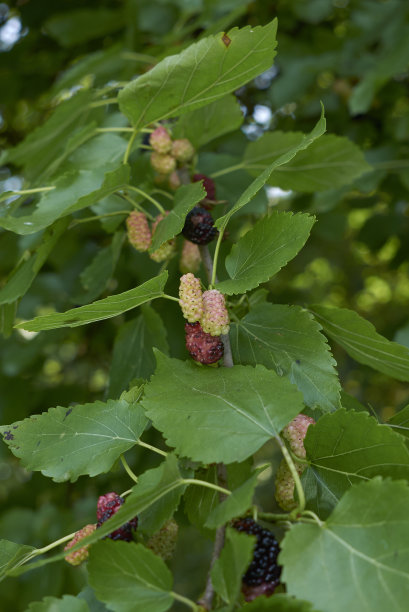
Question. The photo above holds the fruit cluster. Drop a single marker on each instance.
(140, 236)
(263, 574)
(167, 154)
(207, 318)
(294, 433)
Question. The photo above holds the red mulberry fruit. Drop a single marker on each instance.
(203, 347)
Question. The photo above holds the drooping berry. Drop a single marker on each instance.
(190, 294)
(139, 234)
(263, 574)
(164, 164)
(295, 433)
(167, 249)
(208, 184)
(174, 181)
(190, 258)
(80, 555)
(160, 140)
(163, 543)
(182, 150)
(215, 319)
(203, 347)
(198, 226)
(107, 506)
(284, 485)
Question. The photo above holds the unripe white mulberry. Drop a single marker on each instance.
(80, 555)
(163, 542)
(215, 319)
(160, 140)
(190, 294)
(139, 234)
(167, 249)
(189, 258)
(164, 164)
(284, 485)
(182, 150)
(295, 433)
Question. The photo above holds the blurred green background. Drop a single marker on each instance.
(354, 56)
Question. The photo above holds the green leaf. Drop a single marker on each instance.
(361, 341)
(97, 275)
(23, 276)
(68, 603)
(185, 199)
(400, 422)
(264, 250)
(288, 340)
(133, 355)
(330, 162)
(346, 447)
(11, 556)
(279, 603)
(221, 415)
(201, 74)
(209, 122)
(79, 26)
(102, 309)
(262, 179)
(127, 576)
(234, 505)
(200, 501)
(39, 150)
(68, 443)
(358, 559)
(234, 559)
(73, 191)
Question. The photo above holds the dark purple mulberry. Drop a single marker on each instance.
(263, 574)
(198, 226)
(107, 506)
(203, 347)
(208, 184)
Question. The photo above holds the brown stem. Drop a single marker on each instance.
(207, 599)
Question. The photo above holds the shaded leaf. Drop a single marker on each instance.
(346, 447)
(125, 575)
(362, 546)
(234, 505)
(11, 556)
(79, 26)
(361, 341)
(201, 74)
(400, 422)
(279, 603)
(218, 415)
(232, 564)
(67, 603)
(264, 250)
(66, 443)
(97, 275)
(102, 309)
(288, 340)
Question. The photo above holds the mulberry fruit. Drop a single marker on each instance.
(163, 164)
(190, 295)
(139, 234)
(163, 543)
(295, 433)
(263, 574)
(190, 258)
(215, 319)
(107, 506)
(160, 140)
(198, 226)
(80, 555)
(174, 181)
(208, 184)
(203, 347)
(167, 249)
(182, 150)
(284, 485)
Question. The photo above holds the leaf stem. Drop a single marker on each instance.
(128, 470)
(129, 147)
(28, 191)
(164, 193)
(271, 516)
(209, 485)
(147, 197)
(213, 280)
(227, 170)
(137, 206)
(152, 448)
(295, 475)
(104, 102)
(170, 297)
(95, 217)
(188, 602)
(114, 129)
(314, 516)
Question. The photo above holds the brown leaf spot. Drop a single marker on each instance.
(226, 40)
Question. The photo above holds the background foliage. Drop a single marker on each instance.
(354, 57)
